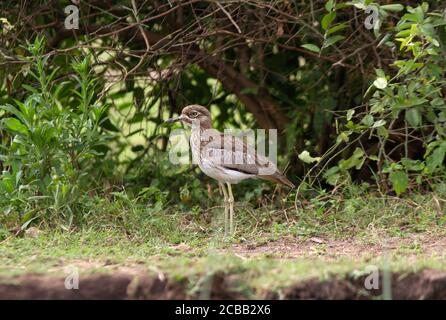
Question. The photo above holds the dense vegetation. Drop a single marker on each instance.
(83, 139)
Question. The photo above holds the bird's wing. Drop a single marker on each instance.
(233, 153)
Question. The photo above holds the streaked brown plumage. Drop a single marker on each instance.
(224, 157)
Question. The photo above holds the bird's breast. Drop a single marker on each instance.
(209, 163)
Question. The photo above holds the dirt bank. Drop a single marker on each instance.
(426, 284)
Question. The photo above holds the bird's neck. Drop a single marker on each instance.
(201, 126)
(200, 135)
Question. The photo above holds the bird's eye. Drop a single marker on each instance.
(193, 114)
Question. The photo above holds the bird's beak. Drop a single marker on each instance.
(175, 119)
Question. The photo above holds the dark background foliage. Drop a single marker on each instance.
(311, 69)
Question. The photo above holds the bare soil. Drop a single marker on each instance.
(292, 249)
(99, 286)
(427, 284)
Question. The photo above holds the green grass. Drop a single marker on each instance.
(188, 243)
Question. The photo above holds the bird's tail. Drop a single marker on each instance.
(279, 178)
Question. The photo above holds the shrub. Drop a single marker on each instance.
(399, 131)
(51, 142)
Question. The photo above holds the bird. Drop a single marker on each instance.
(225, 158)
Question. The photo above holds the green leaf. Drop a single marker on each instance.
(392, 7)
(436, 159)
(360, 5)
(400, 181)
(332, 40)
(380, 73)
(19, 114)
(383, 132)
(438, 102)
(413, 116)
(412, 165)
(28, 218)
(380, 83)
(332, 175)
(403, 33)
(311, 47)
(336, 28)
(377, 107)
(385, 40)
(356, 160)
(328, 19)
(6, 184)
(31, 89)
(350, 114)
(419, 14)
(368, 120)
(15, 125)
(305, 157)
(329, 5)
(342, 137)
(379, 123)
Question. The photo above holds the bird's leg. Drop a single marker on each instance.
(225, 195)
(231, 209)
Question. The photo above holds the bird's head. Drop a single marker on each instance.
(194, 114)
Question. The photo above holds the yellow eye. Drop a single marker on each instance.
(193, 114)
